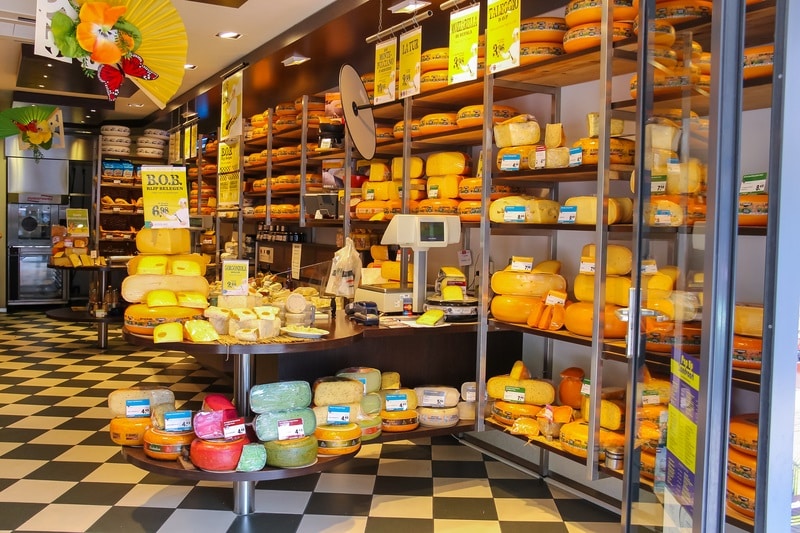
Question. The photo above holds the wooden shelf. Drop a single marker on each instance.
(128, 185)
(463, 426)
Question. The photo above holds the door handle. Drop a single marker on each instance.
(624, 315)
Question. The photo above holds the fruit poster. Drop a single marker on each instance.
(502, 34)
(164, 196)
(463, 51)
(410, 54)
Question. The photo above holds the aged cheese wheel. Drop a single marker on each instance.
(434, 59)
(369, 378)
(743, 433)
(399, 421)
(513, 309)
(443, 187)
(663, 32)
(542, 29)
(748, 320)
(432, 80)
(506, 412)
(663, 336)
(472, 115)
(292, 453)
(679, 11)
(619, 258)
(578, 319)
(472, 188)
(437, 417)
(371, 427)
(142, 320)
(742, 467)
(401, 399)
(285, 109)
(399, 128)
(617, 289)
(582, 12)
(436, 206)
(530, 53)
(758, 61)
(128, 431)
(437, 123)
(166, 445)
(746, 352)
(620, 151)
(470, 210)
(338, 439)
(267, 424)
(647, 465)
(535, 284)
(741, 498)
(437, 396)
(575, 439)
(753, 209)
(588, 35)
(279, 395)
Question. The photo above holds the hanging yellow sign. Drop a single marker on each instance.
(385, 65)
(410, 52)
(463, 56)
(228, 177)
(502, 34)
(164, 197)
(231, 116)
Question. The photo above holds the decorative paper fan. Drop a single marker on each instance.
(143, 40)
(39, 127)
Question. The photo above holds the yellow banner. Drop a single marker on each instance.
(463, 58)
(385, 65)
(228, 179)
(502, 34)
(231, 116)
(682, 438)
(234, 277)
(410, 52)
(164, 196)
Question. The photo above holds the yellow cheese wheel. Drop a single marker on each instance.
(380, 190)
(578, 319)
(437, 123)
(537, 391)
(748, 320)
(506, 412)
(741, 498)
(530, 53)
(617, 289)
(753, 209)
(163, 241)
(141, 319)
(444, 163)
(396, 397)
(383, 133)
(620, 151)
(743, 433)
(416, 168)
(395, 207)
(587, 210)
(434, 59)
(588, 35)
(514, 309)
(542, 29)
(285, 109)
(128, 431)
(747, 352)
(585, 11)
(399, 421)
(663, 32)
(437, 417)
(647, 465)
(612, 412)
(338, 439)
(166, 445)
(575, 439)
(472, 188)
(292, 453)
(470, 210)
(443, 187)
(758, 61)
(664, 55)
(472, 115)
(679, 11)
(536, 284)
(368, 80)
(742, 467)
(432, 80)
(663, 337)
(436, 206)
(665, 83)
(399, 128)
(619, 258)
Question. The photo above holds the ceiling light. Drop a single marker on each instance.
(229, 35)
(294, 59)
(41, 86)
(189, 66)
(50, 65)
(88, 116)
(408, 6)
(44, 75)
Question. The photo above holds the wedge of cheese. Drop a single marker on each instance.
(516, 133)
(163, 241)
(554, 135)
(587, 210)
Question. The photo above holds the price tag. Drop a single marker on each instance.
(649, 266)
(235, 275)
(177, 421)
(587, 265)
(291, 429)
(397, 402)
(663, 217)
(338, 414)
(514, 213)
(521, 264)
(235, 428)
(510, 162)
(433, 191)
(540, 160)
(325, 144)
(548, 413)
(370, 194)
(674, 166)
(575, 156)
(514, 394)
(137, 408)
(115, 209)
(364, 383)
(471, 395)
(658, 184)
(567, 214)
(464, 258)
(433, 399)
(753, 183)
(586, 387)
(555, 298)
(650, 397)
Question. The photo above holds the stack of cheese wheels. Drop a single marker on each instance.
(472, 115)
(470, 191)
(164, 264)
(579, 12)
(220, 439)
(433, 69)
(436, 406)
(445, 170)
(680, 11)
(285, 423)
(341, 400)
(132, 409)
(742, 453)
(516, 395)
(115, 140)
(203, 200)
(748, 322)
(587, 35)
(651, 430)
(416, 174)
(517, 292)
(373, 404)
(152, 143)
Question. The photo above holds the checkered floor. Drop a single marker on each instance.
(59, 471)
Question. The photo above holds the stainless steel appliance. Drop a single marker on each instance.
(30, 281)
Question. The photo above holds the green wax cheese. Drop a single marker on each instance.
(286, 424)
(253, 458)
(279, 396)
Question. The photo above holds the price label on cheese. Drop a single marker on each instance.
(177, 421)
(555, 298)
(370, 194)
(649, 266)
(586, 387)
(326, 143)
(234, 428)
(433, 398)
(514, 394)
(291, 429)
(548, 413)
(464, 258)
(568, 214)
(471, 395)
(510, 162)
(338, 414)
(433, 191)
(753, 183)
(674, 166)
(663, 217)
(521, 264)
(540, 160)
(658, 184)
(137, 408)
(650, 397)
(514, 213)
(575, 156)
(397, 402)
(587, 265)
(364, 383)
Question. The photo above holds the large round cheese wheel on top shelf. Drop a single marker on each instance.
(580, 12)
(588, 35)
(542, 29)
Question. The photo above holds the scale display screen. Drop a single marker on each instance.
(431, 231)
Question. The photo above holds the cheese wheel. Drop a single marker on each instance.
(371, 427)
(279, 396)
(612, 412)
(293, 453)
(515, 133)
(398, 399)
(437, 417)
(437, 396)
(578, 319)
(530, 53)
(506, 412)
(366, 209)
(510, 282)
(664, 55)
(432, 80)
(436, 206)
(663, 33)
(582, 12)
(542, 29)
(588, 35)
(466, 410)
(443, 187)
(746, 352)
(743, 433)
(445, 163)
(437, 123)
(647, 465)
(470, 210)
(389, 379)
(399, 421)
(617, 289)
(166, 445)
(253, 458)
(758, 61)
(537, 391)
(662, 336)
(335, 414)
(380, 190)
(472, 188)
(216, 456)
(575, 439)
(266, 425)
(742, 467)
(753, 209)
(399, 129)
(620, 151)
(587, 210)
(741, 498)
(416, 168)
(513, 309)
(135, 288)
(338, 439)
(163, 241)
(210, 425)
(338, 390)
(285, 108)
(434, 59)
(129, 401)
(370, 378)
(748, 320)
(679, 11)
(472, 115)
(128, 431)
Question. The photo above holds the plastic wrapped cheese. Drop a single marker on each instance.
(369, 377)
(437, 417)
(337, 390)
(443, 187)
(269, 425)
(127, 402)
(662, 134)
(524, 209)
(211, 424)
(686, 178)
(511, 133)
(398, 399)
(390, 379)
(253, 458)
(437, 396)
(556, 157)
(279, 395)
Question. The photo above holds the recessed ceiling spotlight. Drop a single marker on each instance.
(44, 75)
(50, 65)
(408, 6)
(93, 110)
(189, 66)
(294, 59)
(41, 86)
(229, 35)
(88, 116)
(133, 104)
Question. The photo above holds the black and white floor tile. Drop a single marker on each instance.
(59, 470)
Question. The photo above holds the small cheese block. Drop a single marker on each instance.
(218, 318)
(437, 396)
(516, 133)
(443, 187)
(612, 413)
(195, 300)
(188, 265)
(253, 458)
(242, 318)
(390, 380)
(211, 424)
(399, 421)
(593, 125)
(269, 326)
(370, 377)
(554, 136)
(686, 178)
(161, 298)
(157, 413)
(467, 410)
(329, 414)
(537, 392)
(748, 320)
(168, 332)
(587, 209)
(338, 439)
(379, 171)
(266, 311)
(216, 456)
(166, 445)
(444, 163)
(556, 157)
(390, 270)
(438, 417)
(337, 390)
(163, 241)
(416, 167)
(619, 259)
(617, 289)
(662, 134)
(246, 334)
(119, 399)
(280, 395)
(398, 400)
(267, 424)
(136, 287)
(248, 301)
(293, 453)
(128, 431)
(371, 427)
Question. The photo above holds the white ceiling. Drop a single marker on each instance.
(258, 21)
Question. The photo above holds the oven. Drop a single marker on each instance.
(30, 281)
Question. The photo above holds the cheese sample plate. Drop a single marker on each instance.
(304, 332)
